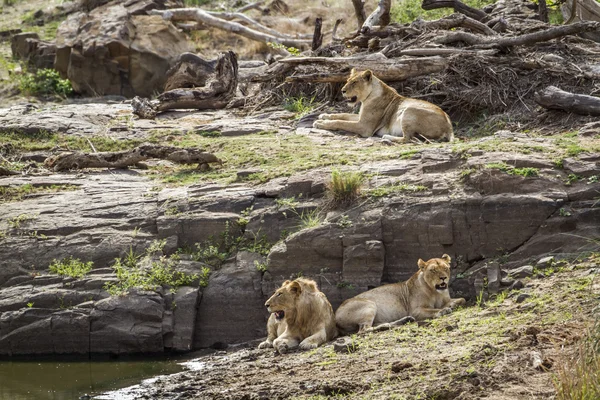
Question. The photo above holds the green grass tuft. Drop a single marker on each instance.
(344, 188)
(70, 266)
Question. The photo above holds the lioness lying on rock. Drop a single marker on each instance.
(424, 295)
(301, 316)
(385, 113)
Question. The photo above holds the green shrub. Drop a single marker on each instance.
(344, 187)
(69, 266)
(45, 82)
(299, 105)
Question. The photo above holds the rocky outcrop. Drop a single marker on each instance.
(116, 49)
(488, 220)
(36, 53)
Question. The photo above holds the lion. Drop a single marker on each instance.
(301, 316)
(425, 295)
(387, 114)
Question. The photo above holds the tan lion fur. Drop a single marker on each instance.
(308, 321)
(417, 298)
(385, 113)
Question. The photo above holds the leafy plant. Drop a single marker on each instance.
(299, 105)
(292, 50)
(262, 267)
(45, 82)
(70, 266)
(525, 171)
(19, 220)
(344, 188)
(30, 304)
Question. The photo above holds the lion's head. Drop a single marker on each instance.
(358, 87)
(436, 272)
(285, 299)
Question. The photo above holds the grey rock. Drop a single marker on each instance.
(112, 50)
(523, 272)
(345, 345)
(517, 285)
(128, 324)
(546, 262)
(232, 308)
(185, 302)
(493, 278)
(522, 297)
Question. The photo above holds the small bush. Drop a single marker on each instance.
(69, 266)
(299, 105)
(344, 187)
(45, 82)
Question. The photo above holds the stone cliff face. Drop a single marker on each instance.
(482, 219)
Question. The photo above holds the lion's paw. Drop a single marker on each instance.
(308, 345)
(444, 311)
(265, 345)
(325, 116)
(281, 347)
(318, 124)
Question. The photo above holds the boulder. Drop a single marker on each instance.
(185, 302)
(113, 51)
(232, 309)
(128, 324)
(38, 54)
(32, 331)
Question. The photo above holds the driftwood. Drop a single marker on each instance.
(198, 15)
(317, 35)
(582, 10)
(230, 16)
(556, 99)
(217, 93)
(124, 159)
(338, 68)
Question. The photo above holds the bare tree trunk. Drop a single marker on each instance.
(555, 99)
(124, 159)
(359, 10)
(198, 15)
(543, 10)
(317, 35)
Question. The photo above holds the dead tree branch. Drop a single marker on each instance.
(359, 10)
(380, 17)
(124, 159)
(458, 6)
(230, 16)
(198, 15)
(555, 99)
(217, 93)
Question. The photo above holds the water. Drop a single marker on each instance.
(68, 379)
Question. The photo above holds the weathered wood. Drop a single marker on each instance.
(555, 99)
(123, 159)
(582, 10)
(6, 172)
(217, 93)
(458, 6)
(189, 71)
(359, 11)
(543, 36)
(380, 17)
(196, 14)
(386, 69)
(543, 10)
(230, 16)
(317, 35)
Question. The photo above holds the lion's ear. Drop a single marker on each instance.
(353, 72)
(285, 283)
(446, 258)
(295, 287)
(367, 75)
(422, 264)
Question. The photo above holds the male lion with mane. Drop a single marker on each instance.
(301, 316)
(387, 114)
(424, 295)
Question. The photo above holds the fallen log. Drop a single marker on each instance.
(124, 159)
(338, 68)
(555, 99)
(217, 93)
(198, 15)
(6, 172)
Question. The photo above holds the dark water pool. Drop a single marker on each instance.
(46, 379)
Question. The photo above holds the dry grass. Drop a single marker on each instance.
(344, 188)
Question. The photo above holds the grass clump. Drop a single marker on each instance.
(525, 172)
(70, 266)
(579, 376)
(344, 188)
(395, 188)
(45, 82)
(299, 105)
